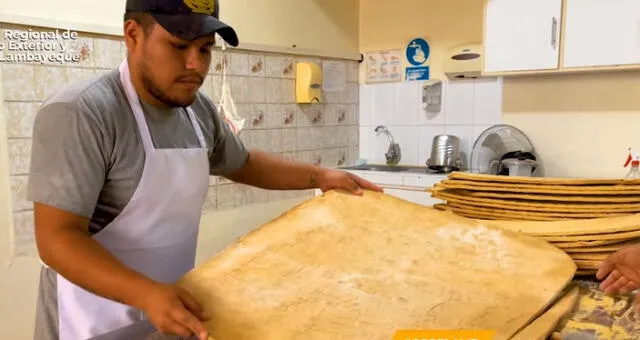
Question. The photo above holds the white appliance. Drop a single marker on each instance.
(505, 150)
(463, 61)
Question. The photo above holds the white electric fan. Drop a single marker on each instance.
(500, 144)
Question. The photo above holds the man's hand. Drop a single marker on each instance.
(270, 172)
(621, 270)
(173, 311)
(330, 179)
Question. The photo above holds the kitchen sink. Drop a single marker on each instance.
(389, 168)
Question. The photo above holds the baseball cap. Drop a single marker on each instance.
(186, 19)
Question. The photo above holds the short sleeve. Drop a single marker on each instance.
(229, 153)
(68, 163)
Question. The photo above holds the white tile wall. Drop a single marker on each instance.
(487, 101)
(382, 104)
(469, 107)
(365, 141)
(458, 104)
(407, 103)
(365, 105)
(408, 137)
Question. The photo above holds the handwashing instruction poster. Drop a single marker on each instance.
(417, 55)
(384, 66)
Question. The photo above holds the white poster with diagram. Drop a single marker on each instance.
(334, 76)
(383, 66)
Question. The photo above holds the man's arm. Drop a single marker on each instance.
(270, 172)
(64, 245)
(231, 159)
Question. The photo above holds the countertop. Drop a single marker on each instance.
(598, 315)
(394, 169)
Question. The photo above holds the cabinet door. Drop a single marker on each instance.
(522, 35)
(602, 33)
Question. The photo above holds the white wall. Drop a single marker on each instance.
(101, 16)
(323, 26)
(388, 24)
(581, 124)
(468, 108)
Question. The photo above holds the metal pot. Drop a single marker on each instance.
(445, 154)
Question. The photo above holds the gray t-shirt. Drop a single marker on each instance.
(87, 155)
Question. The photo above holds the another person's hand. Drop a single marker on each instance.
(621, 271)
(173, 311)
(330, 179)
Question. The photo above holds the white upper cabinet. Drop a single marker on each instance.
(602, 33)
(522, 35)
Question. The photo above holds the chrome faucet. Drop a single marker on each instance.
(393, 154)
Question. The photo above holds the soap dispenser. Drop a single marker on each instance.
(308, 83)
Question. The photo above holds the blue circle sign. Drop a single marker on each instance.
(418, 52)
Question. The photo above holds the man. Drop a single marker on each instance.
(119, 172)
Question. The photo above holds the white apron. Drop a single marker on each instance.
(156, 233)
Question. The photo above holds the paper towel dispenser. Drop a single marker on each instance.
(463, 61)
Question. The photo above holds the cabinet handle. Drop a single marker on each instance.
(554, 31)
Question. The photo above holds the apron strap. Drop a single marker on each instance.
(196, 127)
(134, 103)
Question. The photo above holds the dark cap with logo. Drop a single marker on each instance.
(186, 19)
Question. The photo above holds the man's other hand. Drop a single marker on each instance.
(173, 311)
(330, 179)
(621, 271)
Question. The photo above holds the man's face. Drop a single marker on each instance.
(172, 70)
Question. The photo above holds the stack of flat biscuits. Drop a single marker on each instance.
(588, 219)
(536, 199)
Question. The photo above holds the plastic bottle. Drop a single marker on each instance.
(634, 160)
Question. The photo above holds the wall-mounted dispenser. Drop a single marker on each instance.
(463, 62)
(432, 96)
(308, 83)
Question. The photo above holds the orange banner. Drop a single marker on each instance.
(444, 335)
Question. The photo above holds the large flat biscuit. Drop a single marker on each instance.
(341, 266)
(629, 199)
